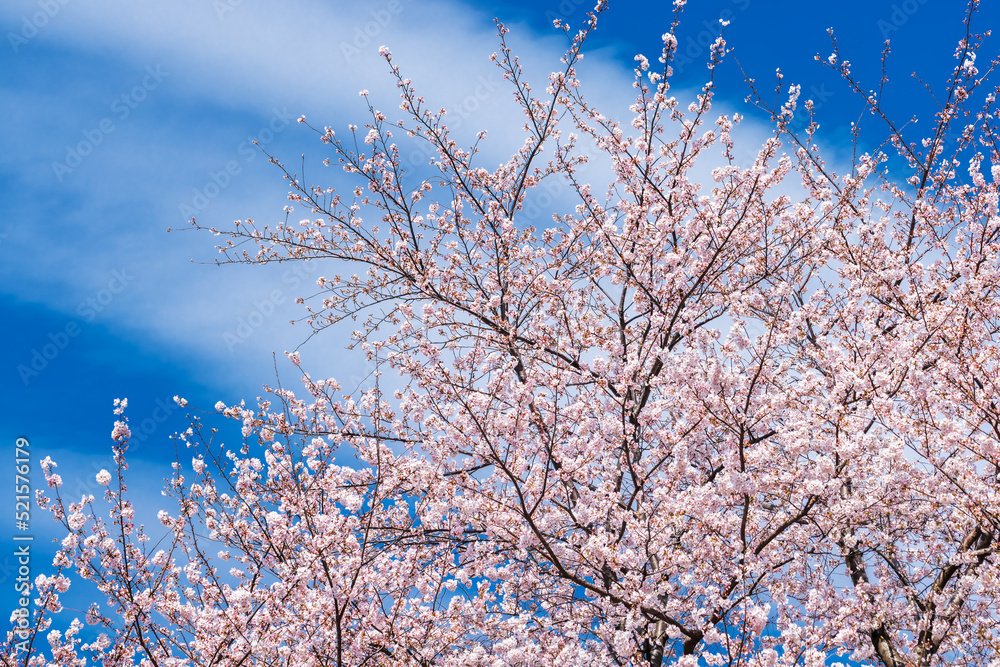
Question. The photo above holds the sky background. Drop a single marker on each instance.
(122, 117)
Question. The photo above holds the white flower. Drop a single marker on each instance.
(220, 406)
(103, 477)
(121, 432)
(384, 51)
(93, 614)
(363, 93)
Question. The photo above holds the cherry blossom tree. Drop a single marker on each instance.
(744, 418)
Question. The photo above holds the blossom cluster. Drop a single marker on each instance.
(746, 415)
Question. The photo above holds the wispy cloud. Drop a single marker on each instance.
(161, 148)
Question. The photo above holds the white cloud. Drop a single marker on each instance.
(245, 58)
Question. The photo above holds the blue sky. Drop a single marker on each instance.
(122, 118)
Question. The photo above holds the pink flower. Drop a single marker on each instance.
(121, 433)
(755, 393)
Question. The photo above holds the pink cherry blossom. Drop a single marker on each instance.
(709, 411)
